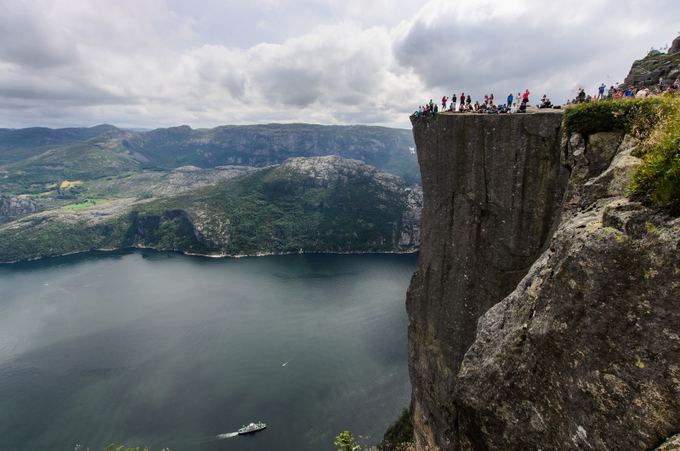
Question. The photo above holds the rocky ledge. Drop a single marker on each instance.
(577, 346)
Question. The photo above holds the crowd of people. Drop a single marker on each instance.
(626, 92)
(520, 102)
(463, 104)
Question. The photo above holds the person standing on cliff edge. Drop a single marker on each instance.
(525, 97)
(510, 98)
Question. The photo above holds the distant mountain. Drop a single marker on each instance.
(319, 204)
(33, 157)
(19, 144)
(262, 145)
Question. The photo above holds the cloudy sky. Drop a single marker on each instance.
(156, 63)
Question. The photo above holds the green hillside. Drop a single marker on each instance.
(323, 204)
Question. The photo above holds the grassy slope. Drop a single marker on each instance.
(656, 121)
(20, 144)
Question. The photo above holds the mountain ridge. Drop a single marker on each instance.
(34, 157)
(317, 204)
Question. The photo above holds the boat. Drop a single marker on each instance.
(252, 427)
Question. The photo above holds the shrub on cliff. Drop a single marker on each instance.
(658, 179)
(656, 121)
(635, 116)
(345, 440)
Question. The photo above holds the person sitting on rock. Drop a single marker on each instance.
(545, 102)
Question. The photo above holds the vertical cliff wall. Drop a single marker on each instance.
(493, 187)
(544, 313)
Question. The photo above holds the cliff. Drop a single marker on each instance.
(491, 186)
(527, 228)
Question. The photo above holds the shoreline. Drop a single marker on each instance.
(208, 256)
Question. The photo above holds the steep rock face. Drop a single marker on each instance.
(492, 189)
(585, 352)
(655, 66)
(12, 207)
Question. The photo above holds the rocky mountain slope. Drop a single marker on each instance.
(528, 227)
(320, 204)
(656, 65)
(12, 207)
(33, 158)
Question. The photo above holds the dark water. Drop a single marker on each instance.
(169, 351)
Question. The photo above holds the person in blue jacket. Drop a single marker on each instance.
(510, 98)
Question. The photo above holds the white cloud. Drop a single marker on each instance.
(161, 63)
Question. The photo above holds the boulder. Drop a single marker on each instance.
(675, 47)
(584, 354)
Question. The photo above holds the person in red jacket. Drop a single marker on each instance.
(525, 96)
(444, 101)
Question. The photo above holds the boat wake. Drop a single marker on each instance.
(227, 435)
